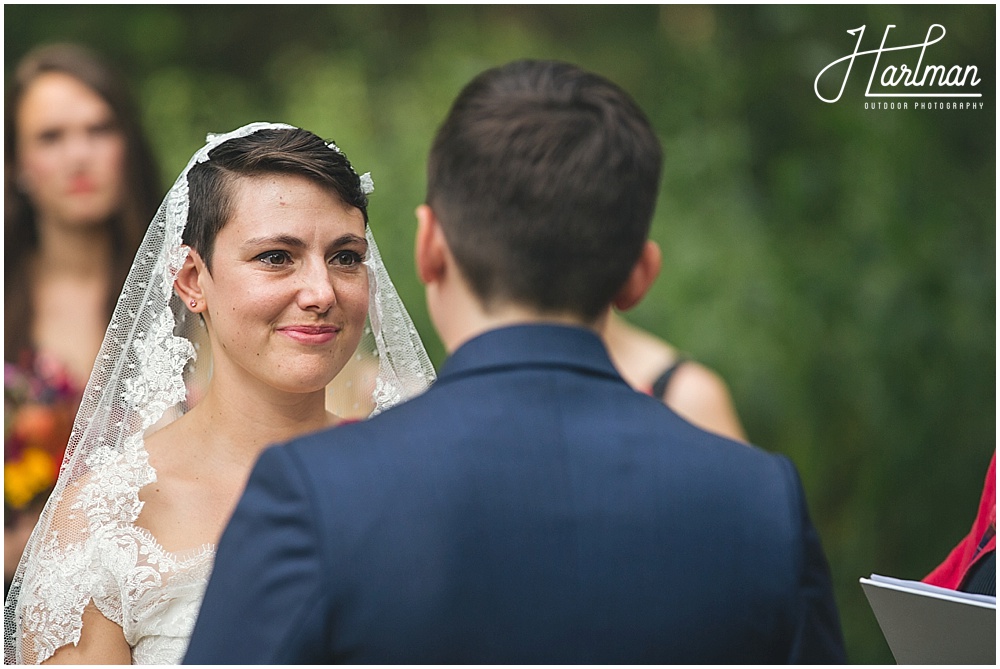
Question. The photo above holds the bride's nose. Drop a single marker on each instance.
(316, 291)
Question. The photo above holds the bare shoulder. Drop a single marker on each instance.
(696, 384)
(169, 455)
(176, 505)
(701, 396)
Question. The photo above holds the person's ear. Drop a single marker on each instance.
(431, 248)
(188, 283)
(641, 279)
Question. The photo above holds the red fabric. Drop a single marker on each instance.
(949, 574)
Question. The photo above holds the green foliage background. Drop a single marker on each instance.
(834, 264)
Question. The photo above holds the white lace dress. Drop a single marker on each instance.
(98, 554)
(87, 546)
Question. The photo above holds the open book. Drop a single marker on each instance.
(924, 624)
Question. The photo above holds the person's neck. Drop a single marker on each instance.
(78, 251)
(246, 417)
(463, 317)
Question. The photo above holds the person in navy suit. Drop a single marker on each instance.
(530, 507)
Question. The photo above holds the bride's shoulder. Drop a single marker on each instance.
(172, 502)
(177, 450)
(171, 451)
(162, 450)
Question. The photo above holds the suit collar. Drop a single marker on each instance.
(535, 345)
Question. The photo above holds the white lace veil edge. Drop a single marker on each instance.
(148, 370)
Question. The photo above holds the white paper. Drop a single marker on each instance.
(925, 624)
(934, 590)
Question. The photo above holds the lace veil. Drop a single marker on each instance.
(154, 359)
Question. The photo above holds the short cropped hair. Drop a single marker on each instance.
(544, 178)
(268, 151)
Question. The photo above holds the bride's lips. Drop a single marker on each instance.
(310, 334)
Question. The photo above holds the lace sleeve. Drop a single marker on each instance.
(58, 585)
(85, 553)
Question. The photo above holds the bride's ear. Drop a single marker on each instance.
(188, 282)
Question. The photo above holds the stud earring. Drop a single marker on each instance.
(194, 303)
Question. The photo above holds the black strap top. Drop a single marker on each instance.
(663, 380)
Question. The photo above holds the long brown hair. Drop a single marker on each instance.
(141, 194)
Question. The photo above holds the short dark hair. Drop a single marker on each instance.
(266, 151)
(544, 178)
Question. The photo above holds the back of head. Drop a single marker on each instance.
(544, 178)
(290, 151)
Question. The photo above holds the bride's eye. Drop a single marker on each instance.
(347, 259)
(274, 258)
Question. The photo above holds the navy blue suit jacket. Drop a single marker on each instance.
(529, 508)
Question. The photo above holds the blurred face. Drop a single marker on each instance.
(71, 154)
(287, 295)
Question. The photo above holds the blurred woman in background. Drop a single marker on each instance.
(80, 186)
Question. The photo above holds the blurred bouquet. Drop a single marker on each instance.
(40, 403)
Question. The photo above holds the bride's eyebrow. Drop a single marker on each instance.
(349, 239)
(281, 240)
(294, 242)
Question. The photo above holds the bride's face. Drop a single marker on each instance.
(287, 295)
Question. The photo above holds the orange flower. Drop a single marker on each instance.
(27, 477)
(36, 424)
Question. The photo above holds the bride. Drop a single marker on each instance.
(257, 283)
